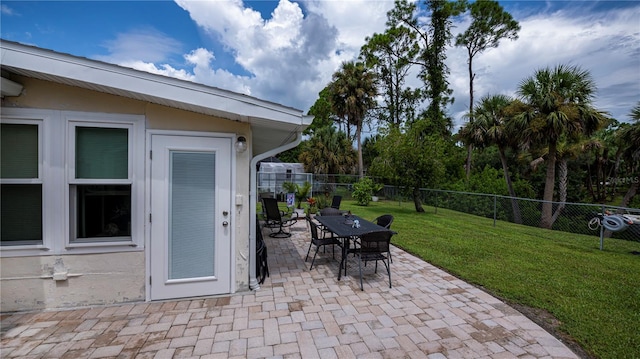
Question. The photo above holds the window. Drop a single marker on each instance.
(21, 187)
(101, 188)
(70, 181)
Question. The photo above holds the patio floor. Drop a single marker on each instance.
(297, 313)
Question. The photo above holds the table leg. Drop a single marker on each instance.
(345, 252)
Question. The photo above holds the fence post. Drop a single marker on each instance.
(602, 229)
(495, 209)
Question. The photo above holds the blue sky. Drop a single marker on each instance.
(286, 51)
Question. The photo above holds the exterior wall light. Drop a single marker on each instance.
(241, 144)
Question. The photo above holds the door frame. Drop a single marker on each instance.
(147, 201)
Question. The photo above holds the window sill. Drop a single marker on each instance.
(125, 243)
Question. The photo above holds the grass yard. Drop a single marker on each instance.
(593, 294)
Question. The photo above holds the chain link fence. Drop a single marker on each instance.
(567, 217)
(579, 218)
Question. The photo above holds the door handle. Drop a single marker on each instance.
(225, 223)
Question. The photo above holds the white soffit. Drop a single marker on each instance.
(272, 124)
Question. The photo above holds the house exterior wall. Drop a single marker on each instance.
(104, 278)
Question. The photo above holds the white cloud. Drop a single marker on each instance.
(291, 54)
(6, 10)
(142, 44)
(165, 69)
(606, 43)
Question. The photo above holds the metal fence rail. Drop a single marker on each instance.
(568, 217)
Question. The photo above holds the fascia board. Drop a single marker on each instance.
(163, 89)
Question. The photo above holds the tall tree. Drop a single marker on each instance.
(558, 103)
(488, 129)
(435, 56)
(391, 55)
(352, 93)
(431, 26)
(489, 24)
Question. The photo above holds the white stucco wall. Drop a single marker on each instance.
(110, 277)
(92, 279)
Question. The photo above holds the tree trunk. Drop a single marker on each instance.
(517, 216)
(547, 205)
(633, 190)
(467, 166)
(563, 174)
(589, 182)
(417, 201)
(359, 141)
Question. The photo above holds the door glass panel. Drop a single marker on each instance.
(191, 214)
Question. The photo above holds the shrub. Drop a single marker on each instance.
(363, 190)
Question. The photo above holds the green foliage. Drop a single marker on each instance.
(290, 156)
(433, 35)
(301, 192)
(557, 104)
(490, 23)
(328, 151)
(352, 94)
(321, 111)
(363, 190)
(412, 160)
(391, 55)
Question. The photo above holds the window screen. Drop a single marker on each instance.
(102, 153)
(19, 151)
(20, 200)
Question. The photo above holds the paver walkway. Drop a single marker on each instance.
(297, 313)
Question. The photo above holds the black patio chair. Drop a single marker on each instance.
(320, 242)
(335, 202)
(330, 211)
(385, 221)
(373, 246)
(275, 219)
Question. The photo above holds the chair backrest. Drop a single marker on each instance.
(314, 230)
(384, 221)
(330, 211)
(375, 242)
(335, 202)
(271, 210)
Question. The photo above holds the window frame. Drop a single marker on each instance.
(39, 180)
(135, 177)
(57, 174)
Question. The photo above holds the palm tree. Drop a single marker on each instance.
(558, 103)
(489, 128)
(353, 92)
(328, 151)
(629, 137)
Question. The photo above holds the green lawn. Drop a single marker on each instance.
(594, 294)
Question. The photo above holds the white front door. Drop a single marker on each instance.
(190, 216)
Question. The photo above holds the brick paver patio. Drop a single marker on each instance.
(297, 313)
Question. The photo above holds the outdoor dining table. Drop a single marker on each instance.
(344, 229)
